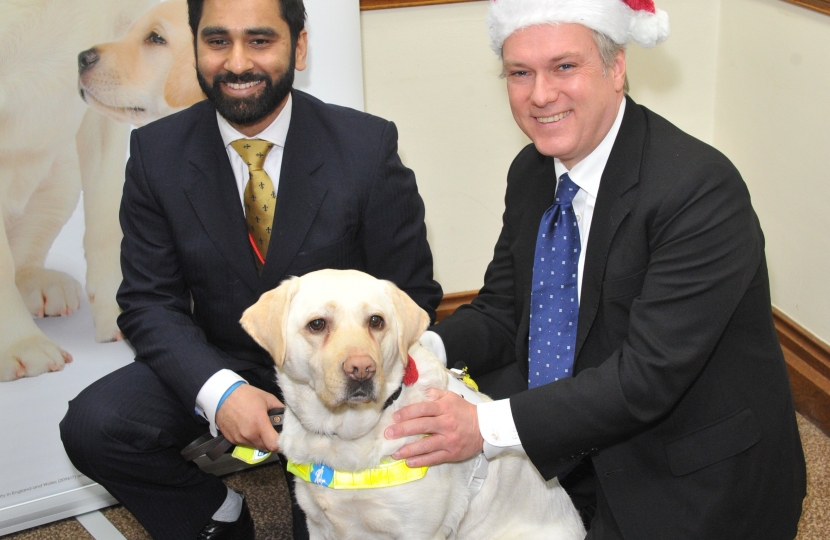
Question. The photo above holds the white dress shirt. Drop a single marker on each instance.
(276, 132)
(495, 418)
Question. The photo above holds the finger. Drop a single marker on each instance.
(267, 439)
(423, 446)
(272, 402)
(417, 410)
(418, 426)
(428, 460)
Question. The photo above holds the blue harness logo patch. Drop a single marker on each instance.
(322, 475)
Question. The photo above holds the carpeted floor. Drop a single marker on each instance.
(268, 500)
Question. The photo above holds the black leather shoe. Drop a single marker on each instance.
(241, 529)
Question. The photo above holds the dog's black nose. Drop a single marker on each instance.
(87, 59)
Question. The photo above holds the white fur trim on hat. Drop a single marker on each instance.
(614, 18)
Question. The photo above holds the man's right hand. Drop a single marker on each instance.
(243, 418)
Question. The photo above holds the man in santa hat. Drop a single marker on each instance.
(625, 319)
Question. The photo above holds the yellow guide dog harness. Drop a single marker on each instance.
(390, 472)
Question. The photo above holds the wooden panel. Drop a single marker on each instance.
(822, 6)
(808, 362)
(385, 4)
(451, 302)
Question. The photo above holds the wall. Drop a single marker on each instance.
(772, 117)
(751, 77)
(431, 71)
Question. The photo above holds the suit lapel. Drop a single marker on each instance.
(214, 196)
(621, 173)
(300, 192)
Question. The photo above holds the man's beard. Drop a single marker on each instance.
(248, 110)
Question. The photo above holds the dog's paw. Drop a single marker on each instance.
(48, 293)
(105, 313)
(30, 357)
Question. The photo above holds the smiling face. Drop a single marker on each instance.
(561, 95)
(245, 61)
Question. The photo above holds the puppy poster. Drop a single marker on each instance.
(75, 77)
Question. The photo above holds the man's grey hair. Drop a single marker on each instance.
(608, 51)
(608, 48)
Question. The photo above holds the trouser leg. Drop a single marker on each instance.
(126, 431)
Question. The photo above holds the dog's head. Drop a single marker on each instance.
(342, 333)
(147, 74)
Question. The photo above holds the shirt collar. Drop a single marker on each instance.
(276, 132)
(587, 173)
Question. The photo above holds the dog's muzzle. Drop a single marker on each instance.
(360, 391)
(360, 372)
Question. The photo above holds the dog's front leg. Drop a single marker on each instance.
(24, 350)
(102, 145)
(37, 221)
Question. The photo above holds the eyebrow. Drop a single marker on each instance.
(558, 58)
(209, 31)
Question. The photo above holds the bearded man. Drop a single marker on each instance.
(222, 202)
(625, 318)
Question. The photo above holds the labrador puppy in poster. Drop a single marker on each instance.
(52, 145)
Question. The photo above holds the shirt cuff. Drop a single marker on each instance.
(212, 391)
(495, 421)
(435, 344)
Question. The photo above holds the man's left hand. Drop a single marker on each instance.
(452, 426)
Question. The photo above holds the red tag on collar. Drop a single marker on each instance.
(410, 376)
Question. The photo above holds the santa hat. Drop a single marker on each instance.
(620, 20)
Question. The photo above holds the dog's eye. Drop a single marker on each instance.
(317, 325)
(376, 321)
(157, 39)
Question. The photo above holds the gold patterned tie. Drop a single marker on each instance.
(260, 197)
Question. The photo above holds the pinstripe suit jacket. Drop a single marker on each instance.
(344, 201)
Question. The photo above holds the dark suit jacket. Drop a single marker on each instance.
(680, 396)
(344, 201)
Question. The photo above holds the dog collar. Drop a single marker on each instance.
(410, 377)
(389, 473)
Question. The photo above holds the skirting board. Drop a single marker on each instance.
(808, 361)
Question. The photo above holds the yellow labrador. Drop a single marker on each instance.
(147, 74)
(347, 357)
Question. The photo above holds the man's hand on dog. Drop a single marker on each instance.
(243, 418)
(450, 422)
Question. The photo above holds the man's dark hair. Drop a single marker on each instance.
(292, 11)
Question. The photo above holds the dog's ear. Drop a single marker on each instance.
(411, 319)
(266, 320)
(181, 88)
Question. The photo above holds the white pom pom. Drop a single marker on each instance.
(650, 29)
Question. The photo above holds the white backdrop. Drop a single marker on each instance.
(38, 484)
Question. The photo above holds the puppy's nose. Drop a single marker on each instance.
(87, 59)
(359, 367)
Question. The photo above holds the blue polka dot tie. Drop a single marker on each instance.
(554, 308)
